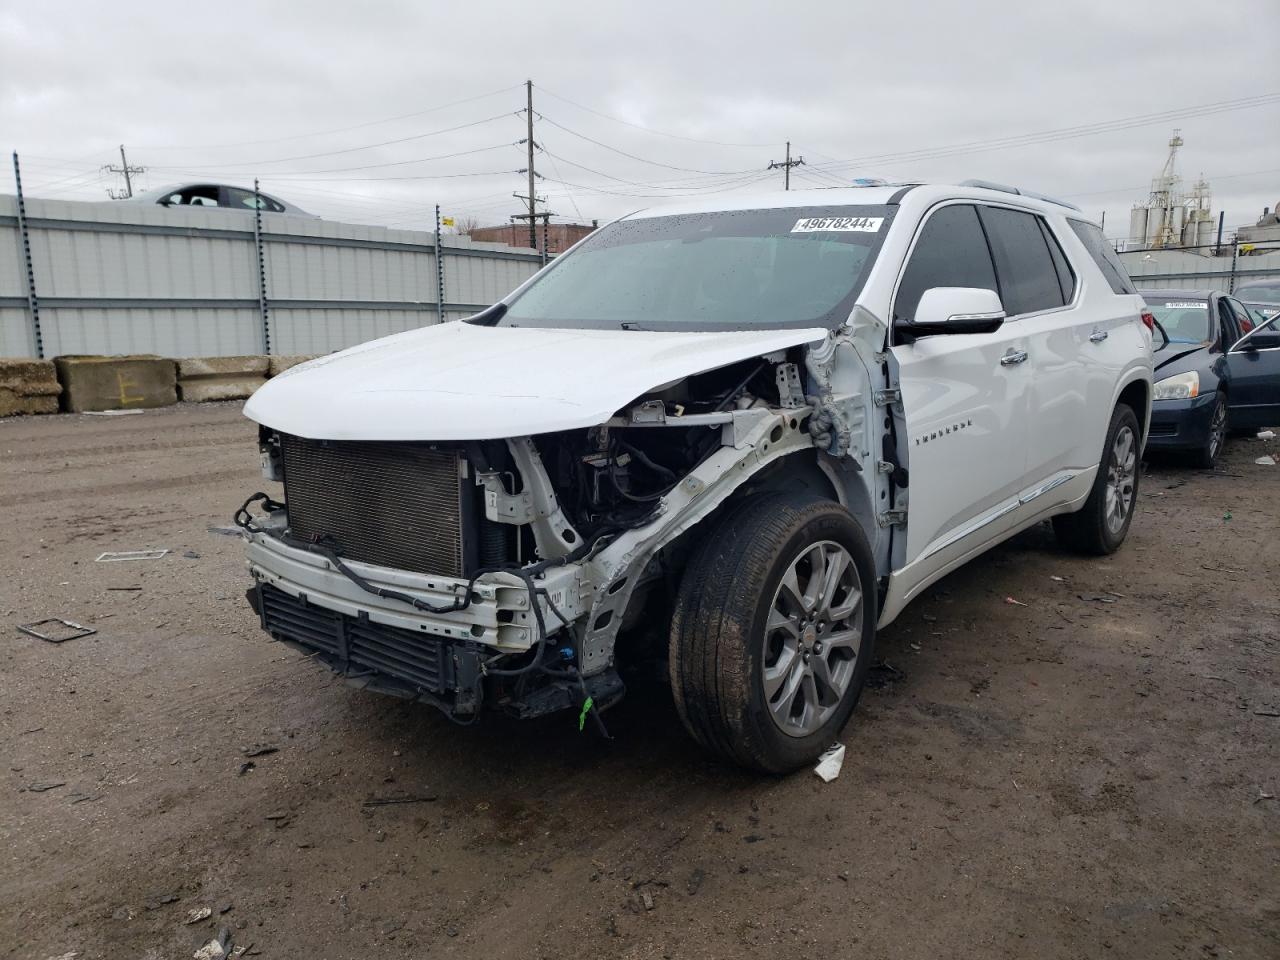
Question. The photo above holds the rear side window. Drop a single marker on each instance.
(1028, 277)
(951, 252)
(1066, 279)
(1103, 256)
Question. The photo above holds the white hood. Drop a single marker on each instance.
(458, 381)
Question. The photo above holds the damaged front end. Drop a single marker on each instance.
(501, 573)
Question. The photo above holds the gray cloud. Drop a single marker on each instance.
(220, 92)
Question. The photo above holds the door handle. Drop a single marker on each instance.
(1098, 336)
(1013, 358)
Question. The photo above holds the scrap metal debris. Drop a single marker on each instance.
(196, 914)
(1014, 603)
(1267, 461)
(259, 750)
(115, 556)
(42, 787)
(73, 631)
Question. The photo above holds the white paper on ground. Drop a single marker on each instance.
(1266, 461)
(830, 762)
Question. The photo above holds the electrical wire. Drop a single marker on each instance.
(1061, 133)
(325, 133)
(632, 156)
(637, 126)
(332, 153)
(369, 166)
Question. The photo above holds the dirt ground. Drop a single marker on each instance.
(1091, 771)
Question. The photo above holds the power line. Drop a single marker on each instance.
(332, 153)
(637, 126)
(372, 166)
(324, 133)
(1062, 133)
(754, 178)
(660, 185)
(632, 156)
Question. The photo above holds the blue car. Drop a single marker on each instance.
(1214, 372)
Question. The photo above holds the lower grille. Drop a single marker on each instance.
(399, 505)
(355, 646)
(1162, 430)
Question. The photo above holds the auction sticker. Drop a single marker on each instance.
(1186, 305)
(838, 225)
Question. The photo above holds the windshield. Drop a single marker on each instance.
(730, 270)
(1184, 321)
(1260, 293)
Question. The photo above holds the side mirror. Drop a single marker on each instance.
(957, 310)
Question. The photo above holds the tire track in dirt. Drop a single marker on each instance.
(187, 481)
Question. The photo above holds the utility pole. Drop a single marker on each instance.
(128, 172)
(786, 165)
(533, 199)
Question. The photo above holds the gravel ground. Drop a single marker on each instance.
(1089, 771)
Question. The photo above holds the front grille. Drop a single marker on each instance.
(399, 505)
(356, 646)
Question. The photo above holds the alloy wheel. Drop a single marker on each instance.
(812, 638)
(1122, 469)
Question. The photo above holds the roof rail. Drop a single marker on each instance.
(1005, 188)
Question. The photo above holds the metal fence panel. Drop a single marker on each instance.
(1202, 268)
(133, 278)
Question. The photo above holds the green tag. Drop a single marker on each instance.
(587, 704)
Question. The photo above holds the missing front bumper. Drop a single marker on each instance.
(383, 658)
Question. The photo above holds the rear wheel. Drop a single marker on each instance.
(1100, 526)
(773, 631)
(1207, 455)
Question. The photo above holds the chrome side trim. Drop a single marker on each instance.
(999, 512)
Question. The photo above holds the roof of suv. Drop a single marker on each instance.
(926, 193)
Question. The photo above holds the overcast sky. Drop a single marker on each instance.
(702, 95)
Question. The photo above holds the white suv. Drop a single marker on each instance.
(748, 433)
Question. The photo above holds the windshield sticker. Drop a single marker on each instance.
(1186, 305)
(838, 225)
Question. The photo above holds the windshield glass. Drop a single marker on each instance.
(1184, 321)
(730, 270)
(1261, 293)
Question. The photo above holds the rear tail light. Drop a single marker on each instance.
(1149, 320)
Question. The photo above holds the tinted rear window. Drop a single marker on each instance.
(1024, 265)
(1103, 256)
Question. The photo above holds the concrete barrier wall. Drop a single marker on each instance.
(116, 383)
(126, 278)
(85, 384)
(28, 386)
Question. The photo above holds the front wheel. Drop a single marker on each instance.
(1207, 456)
(773, 631)
(1100, 526)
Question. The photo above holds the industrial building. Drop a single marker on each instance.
(1171, 217)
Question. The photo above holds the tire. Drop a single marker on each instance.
(738, 626)
(1207, 456)
(1100, 526)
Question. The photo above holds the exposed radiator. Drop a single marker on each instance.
(399, 505)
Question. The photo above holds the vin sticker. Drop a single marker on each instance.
(1186, 305)
(838, 225)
